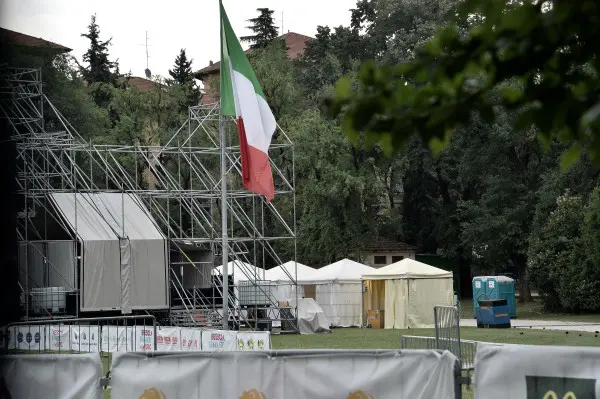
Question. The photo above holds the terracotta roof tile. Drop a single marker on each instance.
(21, 39)
(142, 84)
(294, 42)
(388, 245)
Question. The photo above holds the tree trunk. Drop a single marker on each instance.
(520, 263)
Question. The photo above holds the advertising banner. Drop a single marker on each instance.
(85, 338)
(219, 341)
(191, 339)
(26, 338)
(253, 341)
(117, 339)
(144, 338)
(537, 372)
(168, 339)
(58, 337)
(286, 374)
(51, 376)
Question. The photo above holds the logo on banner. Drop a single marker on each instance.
(261, 344)
(251, 344)
(36, 337)
(83, 336)
(217, 341)
(253, 394)
(241, 345)
(560, 388)
(152, 393)
(360, 395)
(20, 337)
(28, 337)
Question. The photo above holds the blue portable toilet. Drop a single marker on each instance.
(495, 287)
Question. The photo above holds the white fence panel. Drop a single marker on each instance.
(532, 372)
(286, 374)
(52, 376)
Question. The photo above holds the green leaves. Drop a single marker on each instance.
(570, 156)
(541, 63)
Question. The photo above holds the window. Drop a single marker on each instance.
(380, 260)
(397, 258)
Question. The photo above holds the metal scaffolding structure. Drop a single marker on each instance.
(178, 182)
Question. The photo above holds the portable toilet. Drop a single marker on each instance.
(495, 287)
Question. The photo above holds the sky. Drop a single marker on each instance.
(171, 26)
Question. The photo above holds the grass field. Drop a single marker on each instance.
(366, 338)
(533, 311)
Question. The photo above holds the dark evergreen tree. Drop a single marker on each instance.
(182, 75)
(182, 69)
(100, 68)
(263, 27)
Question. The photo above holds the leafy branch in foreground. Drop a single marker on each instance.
(541, 60)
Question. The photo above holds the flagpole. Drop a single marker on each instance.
(224, 238)
(224, 243)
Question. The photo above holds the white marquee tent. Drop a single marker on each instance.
(280, 276)
(407, 291)
(242, 271)
(339, 291)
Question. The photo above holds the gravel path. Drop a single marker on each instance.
(544, 324)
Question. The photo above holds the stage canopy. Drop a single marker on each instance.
(124, 254)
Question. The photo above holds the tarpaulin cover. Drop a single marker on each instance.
(311, 318)
(285, 374)
(52, 376)
(114, 277)
(527, 371)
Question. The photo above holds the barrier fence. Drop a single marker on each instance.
(467, 351)
(123, 334)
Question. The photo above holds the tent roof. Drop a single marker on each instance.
(343, 270)
(407, 268)
(243, 270)
(304, 272)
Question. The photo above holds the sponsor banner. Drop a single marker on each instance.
(51, 376)
(191, 339)
(85, 338)
(168, 339)
(253, 341)
(286, 374)
(117, 339)
(144, 338)
(26, 338)
(219, 341)
(537, 372)
(58, 337)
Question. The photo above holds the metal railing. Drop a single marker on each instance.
(468, 348)
(77, 335)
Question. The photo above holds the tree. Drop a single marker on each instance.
(182, 76)
(275, 72)
(564, 272)
(263, 27)
(540, 56)
(99, 69)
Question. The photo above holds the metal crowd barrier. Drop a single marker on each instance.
(467, 348)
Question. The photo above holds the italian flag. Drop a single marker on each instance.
(243, 98)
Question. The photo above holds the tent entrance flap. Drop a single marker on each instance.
(373, 296)
(124, 255)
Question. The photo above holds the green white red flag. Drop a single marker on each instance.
(243, 98)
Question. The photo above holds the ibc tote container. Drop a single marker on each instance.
(495, 287)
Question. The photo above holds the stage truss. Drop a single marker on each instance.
(180, 184)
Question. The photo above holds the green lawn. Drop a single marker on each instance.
(533, 311)
(366, 338)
